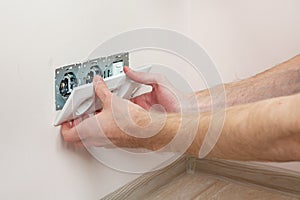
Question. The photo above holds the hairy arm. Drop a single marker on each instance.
(267, 130)
(262, 130)
(281, 80)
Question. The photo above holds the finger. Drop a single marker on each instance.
(142, 77)
(79, 145)
(143, 100)
(69, 133)
(76, 122)
(84, 116)
(101, 89)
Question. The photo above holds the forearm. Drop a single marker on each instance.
(262, 131)
(281, 80)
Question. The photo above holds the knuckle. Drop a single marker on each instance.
(106, 100)
(106, 93)
(99, 84)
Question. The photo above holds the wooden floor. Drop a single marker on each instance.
(190, 178)
(203, 186)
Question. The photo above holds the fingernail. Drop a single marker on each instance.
(126, 69)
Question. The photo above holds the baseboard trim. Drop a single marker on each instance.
(270, 178)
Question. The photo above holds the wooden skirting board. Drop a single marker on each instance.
(191, 178)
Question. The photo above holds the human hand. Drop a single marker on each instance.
(163, 93)
(115, 125)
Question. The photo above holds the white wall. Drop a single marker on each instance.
(246, 37)
(36, 37)
(242, 37)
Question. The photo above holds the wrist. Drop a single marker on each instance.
(165, 133)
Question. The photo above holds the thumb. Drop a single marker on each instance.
(101, 89)
(140, 77)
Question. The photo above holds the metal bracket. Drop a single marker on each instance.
(74, 75)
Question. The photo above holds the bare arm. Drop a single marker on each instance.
(268, 130)
(281, 80)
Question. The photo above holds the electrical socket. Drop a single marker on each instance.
(71, 76)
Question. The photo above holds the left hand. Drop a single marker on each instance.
(113, 125)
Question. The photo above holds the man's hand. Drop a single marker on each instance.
(262, 131)
(112, 125)
(163, 93)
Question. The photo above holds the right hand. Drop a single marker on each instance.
(163, 93)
